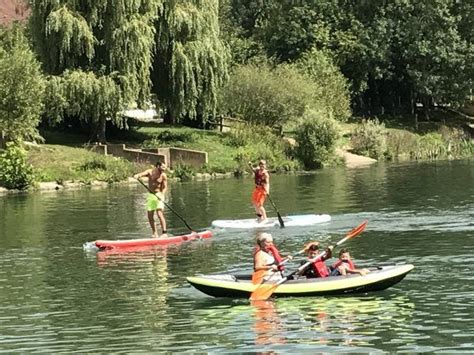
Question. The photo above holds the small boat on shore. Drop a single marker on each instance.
(149, 242)
(240, 286)
(289, 221)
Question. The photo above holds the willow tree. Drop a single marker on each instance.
(98, 54)
(191, 60)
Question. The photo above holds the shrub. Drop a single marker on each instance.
(103, 168)
(331, 90)
(430, 146)
(316, 139)
(260, 94)
(15, 172)
(369, 139)
(400, 143)
(177, 138)
(183, 172)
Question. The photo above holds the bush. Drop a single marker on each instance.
(316, 139)
(15, 172)
(430, 146)
(331, 89)
(183, 172)
(369, 139)
(260, 94)
(102, 168)
(177, 138)
(400, 143)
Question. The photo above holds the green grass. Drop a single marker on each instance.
(63, 163)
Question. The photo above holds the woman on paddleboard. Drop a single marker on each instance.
(262, 189)
(158, 183)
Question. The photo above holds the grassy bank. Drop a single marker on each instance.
(63, 157)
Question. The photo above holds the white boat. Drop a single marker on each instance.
(289, 221)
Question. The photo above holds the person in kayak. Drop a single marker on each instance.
(345, 265)
(318, 267)
(158, 183)
(267, 258)
(262, 189)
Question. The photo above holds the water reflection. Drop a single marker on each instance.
(268, 326)
(304, 324)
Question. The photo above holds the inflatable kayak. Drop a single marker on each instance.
(289, 221)
(240, 286)
(147, 242)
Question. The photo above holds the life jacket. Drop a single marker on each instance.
(275, 253)
(260, 178)
(319, 268)
(339, 262)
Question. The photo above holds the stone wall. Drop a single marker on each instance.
(179, 156)
(171, 156)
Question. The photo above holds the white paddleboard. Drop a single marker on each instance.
(289, 221)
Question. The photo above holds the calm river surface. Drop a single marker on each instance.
(55, 297)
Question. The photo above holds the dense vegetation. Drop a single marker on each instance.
(299, 68)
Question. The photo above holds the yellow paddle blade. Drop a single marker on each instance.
(263, 292)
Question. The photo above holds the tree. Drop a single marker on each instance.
(95, 51)
(21, 87)
(256, 93)
(191, 60)
(428, 54)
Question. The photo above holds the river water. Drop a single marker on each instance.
(56, 297)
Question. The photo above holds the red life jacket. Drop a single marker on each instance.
(339, 262)
(275, 253)
(319, 268)
(260, 178)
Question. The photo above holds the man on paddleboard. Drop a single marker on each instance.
(262, 189)
(158, 183)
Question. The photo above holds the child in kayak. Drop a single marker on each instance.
(345, 265)
(317, 268)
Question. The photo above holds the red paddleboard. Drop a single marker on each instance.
(131, 243)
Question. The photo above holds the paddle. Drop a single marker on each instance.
(264, 291)
(280, 220)
(168, 206)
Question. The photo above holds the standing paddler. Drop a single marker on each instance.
(158, 183)
(262, 189)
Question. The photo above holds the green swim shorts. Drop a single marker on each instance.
(153, 203)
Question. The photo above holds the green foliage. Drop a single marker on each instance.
(331, 94)
(400, 143)
(183, 172)
(369, 139)
(168, 138)
(85, 95)
(191, 60)
(255, 142)
(21, 87)
(262, 95)
(102, 168)
(99, 54)
(430, 146)
(316, 138)
(15, 172)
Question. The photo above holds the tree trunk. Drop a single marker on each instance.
(98, 131)
(168, 117)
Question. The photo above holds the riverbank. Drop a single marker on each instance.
(351, 161)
